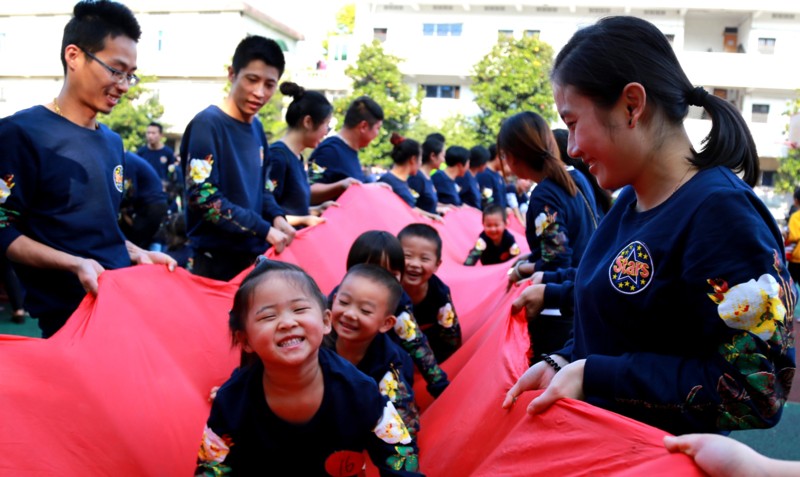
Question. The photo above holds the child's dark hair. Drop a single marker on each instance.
(377, 247)
(404, 149)
(363, 108)
(423, 231)
(601, 59)
(495, 209)
(305, 103)
(93, 21)
(254, 47)
(431, 146)
(264, 268)
(455, 155)
(528, 138)
(601, 196)
(478, 156)
(382, 277)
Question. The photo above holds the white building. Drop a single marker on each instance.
(743, 51)
(187, 45)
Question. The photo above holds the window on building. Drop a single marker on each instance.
(441, 29)
(442, 91)
(340, 52)
(533, 33)
(380, 34)
(768, 178)
(760, 113)
(160, 40)
(766, 45)
(505, 33)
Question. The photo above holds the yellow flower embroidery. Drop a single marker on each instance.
(388, 386)
(214, 448)
(514, 250)
(447, 316)
(480, 245)
(487, 193)
(543, 220)
(753, 306)
(405, 327)
(200, 169)
(414, 194)
(390, 428)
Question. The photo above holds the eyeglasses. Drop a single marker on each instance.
(118, 75)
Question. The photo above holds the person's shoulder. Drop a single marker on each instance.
(278, 150)
(19, 121)
(436, 283)
(209, 114)
(345, 377)
(234, 393)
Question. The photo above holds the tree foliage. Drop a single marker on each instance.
(134, 111)
(376, 74)
(346, 19)
(789, 169)
(457, 130)
(512, 78)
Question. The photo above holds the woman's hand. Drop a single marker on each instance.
(567, 383)
(531, 300)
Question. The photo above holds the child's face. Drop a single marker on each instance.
(494, 226)
(284, 325)
(360, 310)
(421, 261)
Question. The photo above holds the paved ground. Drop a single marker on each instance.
(781, 442)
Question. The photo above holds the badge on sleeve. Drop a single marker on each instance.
(632, 269)
(118, 178)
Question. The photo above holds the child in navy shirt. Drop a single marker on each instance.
(381, 248)
(457, 160)
(433, 306)
(495, 244)
(362, 314)
(294, 395)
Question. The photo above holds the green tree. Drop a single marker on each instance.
(134, 111)
(375, 74)
(346, 19)
(458, 130)
(512, 78)
(789, 169)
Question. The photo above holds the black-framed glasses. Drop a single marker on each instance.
(118, 75)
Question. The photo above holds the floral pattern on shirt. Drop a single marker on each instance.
(200, 169)
(390, 428)
(447, 316)
(405, 327)
(213, 451)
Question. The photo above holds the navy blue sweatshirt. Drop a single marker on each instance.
(400, 187)
(446, 188)
(339, 160)
(426, 193)
(289, 180)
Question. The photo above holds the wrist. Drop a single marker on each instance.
(551, 362)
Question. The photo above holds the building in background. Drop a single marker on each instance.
(739, 50)
(187, 45)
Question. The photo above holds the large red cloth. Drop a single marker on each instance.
(123, 388)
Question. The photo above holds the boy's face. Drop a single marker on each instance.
(252, 87)
(360, 310)
(284, 326)
(95, 85)
(421, 261)
(153, 136)
(494, 226)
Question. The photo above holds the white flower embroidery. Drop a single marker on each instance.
(388, 386)
(480, 245)
(541, 223)
(390, 428)
(5, 190)
(405, 327)
(447, 316)
(514, 250)
(487, 193)
(200, 169)
(753, 306)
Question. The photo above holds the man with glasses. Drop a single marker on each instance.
(62, 171)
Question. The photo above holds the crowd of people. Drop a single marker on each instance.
(664, 315)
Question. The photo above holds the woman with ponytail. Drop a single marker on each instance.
(562, 213)
(308, 117)
(683, 303)
(406, 158)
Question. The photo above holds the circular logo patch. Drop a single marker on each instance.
(344, 463)
(118, 178)
(632, 269)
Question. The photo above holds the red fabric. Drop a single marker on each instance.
(123, 388)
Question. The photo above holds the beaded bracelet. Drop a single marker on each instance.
(547, 359)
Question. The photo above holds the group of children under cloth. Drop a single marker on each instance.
(319, 372)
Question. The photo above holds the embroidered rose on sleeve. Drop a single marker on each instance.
(200, 169)
(388, 386)
(214, 448)
(5, 188)
(487, 193)
(405, 327)
(753, 306)
(390, 428)
(480, 245)
(543, 220)
(447, 316)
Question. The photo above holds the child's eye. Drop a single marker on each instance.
(301, 309)
(265, 318)
(366, 312)
(343, 303)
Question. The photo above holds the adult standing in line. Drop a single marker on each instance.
(679, 323)
(231, 215)
(62, 171)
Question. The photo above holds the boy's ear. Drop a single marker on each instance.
(438, 263)
(241, 338)
(388, 324)
(231, 74)
(326, 322)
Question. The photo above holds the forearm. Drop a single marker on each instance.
(322, 192)
(29, 252)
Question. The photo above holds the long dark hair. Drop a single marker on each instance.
(601, 196)
(601, 59)
(528, 138)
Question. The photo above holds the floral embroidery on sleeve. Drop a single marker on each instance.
(6, 215)
(390, 428)
(388, 386)
(200, 169)
(213, 451)
(405, 459)
(447, 316)
(417, 346)
(514, 250)
(544, 220)
(405, 327)
(476, 252)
